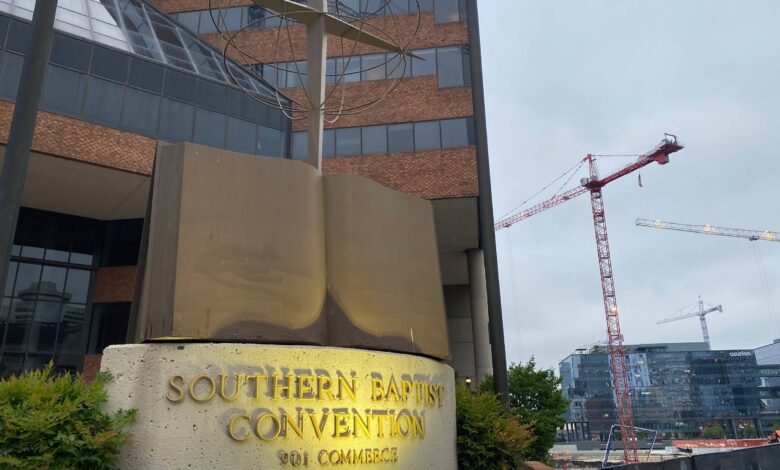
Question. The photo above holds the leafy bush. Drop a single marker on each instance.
(489, 436)
(56, 422)
(713, 432)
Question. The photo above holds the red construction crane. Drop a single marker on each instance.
(594, 185)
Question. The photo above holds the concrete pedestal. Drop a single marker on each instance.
(242, 406)
(480, 321)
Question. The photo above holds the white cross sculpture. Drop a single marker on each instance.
(318, 25)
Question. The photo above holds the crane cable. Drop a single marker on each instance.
(765, 284)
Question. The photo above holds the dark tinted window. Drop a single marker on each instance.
(122, 242)
(182, 86)
(207, 22)
(241, 136)
(329, 143)
(70, 52)
(399, 66)
(425, 5)
(3, 29)
(63, 90)
(140, 111)
(400, 138)
(109, 64)
(299, 143)
(374, 139)
(426, 64)
(103, 102)
(426, 135)
(18, 36)
(176, 121)
(446, 11)
(213, 95)
(399, 7)
(146, 75)
(450, 66)
(454, 133)
(189, 20)
(373, 67)
(230, 19)
(270, 142)
(348, 141)
(10, 71)
(109, 326)
(209, 128)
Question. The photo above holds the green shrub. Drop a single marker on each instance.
(56, 422)
(489, 437)
(713, 432)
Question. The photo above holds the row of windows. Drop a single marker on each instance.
(407, 137)
(451, 65)
(253, 16)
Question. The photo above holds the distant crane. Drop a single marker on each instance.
(752, 235)
(593, 184)
(702, 314)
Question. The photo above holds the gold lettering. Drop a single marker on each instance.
(322, 390)
(321, 427)
(180, 392)
(419, 426)
(406, 389)
(211, 393)
(240, 379)
(257, 378)
(278, 388)
(392, 389)
(379, 421)
(340, 425)
(377, 389)
(323, 453)
(336, 459)
(358, 422)
(349, 387)
(232, 423)
(297, 425)
(385, 455)
(305, 386)
(441, 392)
(399, 427)
(276, 427)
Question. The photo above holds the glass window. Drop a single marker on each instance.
(426, 64)
(426, 135)
(103, 103)
(329, 143)
(374, 139)
(472, 131)
(230, 19)
(10, 71)
(331, 74)
(454, 133)
(146, 75)
(109, 64)
(399, 7)
(43, 332)
(209, 128)
(84, 246)
(109, 326)
(350, 67)
(372, 66)
(18, 36)
(140, 111)
(176, 121)
(69, 339)
(450, 66)
(208, 22)
(77, 285)
(425, 5)
(9, 280)
(348, 141)
(189, 20)
(466, 56)
(212, 95)
(3, 29)
(34, 237)
(270, 142)
(70, 52)
(63, 90)
(299, 143)
(400, 138)
(182, 86)
(372, 7)
(52, 283)
(398, 66)
(241, 136)
(296, 74)
(446, 11)
(255, 15)
(122, 242)
(27, 278)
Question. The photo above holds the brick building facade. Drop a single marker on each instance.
(91, 163)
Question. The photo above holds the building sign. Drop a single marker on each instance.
(741, 354)
(285, 406)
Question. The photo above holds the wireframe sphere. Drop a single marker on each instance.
(376, 17)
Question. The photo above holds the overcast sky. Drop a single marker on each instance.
(567, 78)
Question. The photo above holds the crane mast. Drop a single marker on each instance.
(594, 185)
(702, 314)
(752, 235)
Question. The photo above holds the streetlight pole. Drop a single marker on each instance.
(17, 152)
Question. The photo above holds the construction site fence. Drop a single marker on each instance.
(753, 458)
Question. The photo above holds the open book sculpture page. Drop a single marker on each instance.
(240, 248)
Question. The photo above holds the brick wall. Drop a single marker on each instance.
(62, 136)
(114, 284)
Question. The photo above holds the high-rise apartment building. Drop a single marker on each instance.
(127, 74)
(676, 389)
